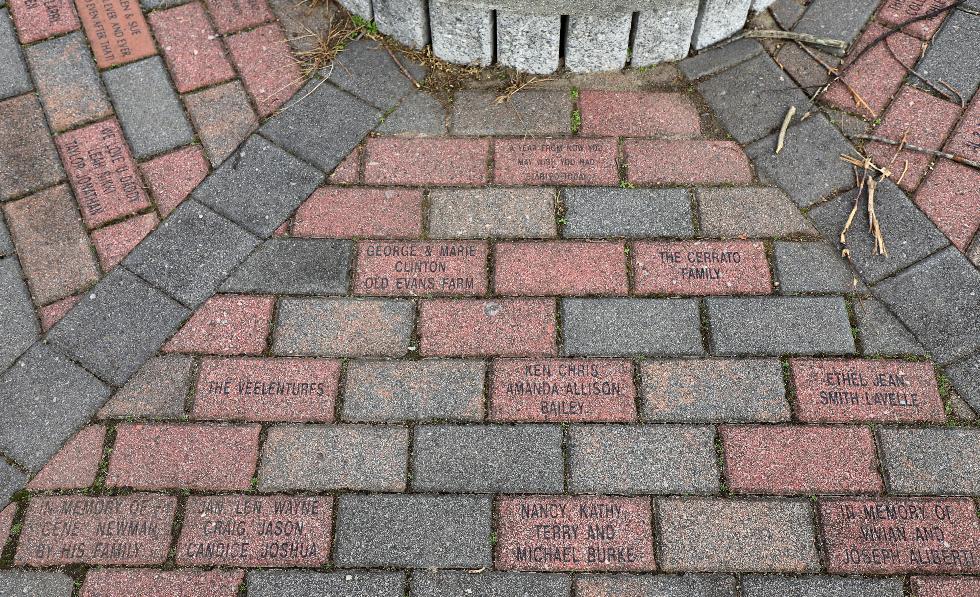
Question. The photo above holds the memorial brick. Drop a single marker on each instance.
(116, 30)
(701, 268)
(556, 161)
(390, 268)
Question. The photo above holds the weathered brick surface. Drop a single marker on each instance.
(171, 177)
(937, 586)
(128, 530)
(560, 268)
(360, 213)
(531, 112)
(413, 391)
(192, 50)
(628, 327)
(951, 199)
(227, 324)
(37, 20)
(28, 160)
(555, 162)
(75, 465)
(574, 533)
(235, 15)
(492, 212)
(638, 114)
(389, 268)
(31, 582)
(784, 325)
(750, 212)
(67, 81)
(473, 327)
(896, 535)
(294, 266)
(767, 585)
(256, 531)
(931, 461)
(896, 12)
(222, 117)
(687, 162)
(871, 390)
(701, 268)
(202, 457)
(114, 242)
(632, 213)
(133, 40)
(490, 583)
(301, 583)
(268, 70)
(263, 389)
(450, 162)
(654, 585)
(791, 460)
(343, 327)
(137, 582)
(349, 170)
(156, 391)
(53, 313)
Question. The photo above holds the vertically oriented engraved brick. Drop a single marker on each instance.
(473, 327)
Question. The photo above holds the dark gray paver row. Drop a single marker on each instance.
(20, 325)
(532, 112)
(302, 583)
(475, 213)
(624, 327)
(813, 268)
(881, 332)
(419, 115)
(779, 325)
(156, 391)
(632, 213)
(294, 266)
(6, 243)
(830, 18)
(762, 212)
(343, 327)
(28, 161)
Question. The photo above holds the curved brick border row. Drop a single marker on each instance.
(533, 36)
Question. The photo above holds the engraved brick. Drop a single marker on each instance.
(687, 162)
(473, 327)
(933, 586)
(701, 268)
(568, 268)
(130, 530)
(139, 582)
(102, 172)
(833, 390)
(574, 533)
(39, 20)
(638, 114)
(227, 324)
(426, 161)
(360, 213)
(555, 161)
(421, 268)
(256, 531)
(562, 390)
(116, 30)
(267, 389)
(897, 535)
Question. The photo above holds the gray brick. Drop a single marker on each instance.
(323, 125)
(714, 390)
(45, 398)
(820, 586)
(223, 118)
(532, 112)
(931, 461)
(750, 212)
(11, 481)
(259, 186)
(6, 243)
(736, 535)
(419, 115)
(660, 585)
(909, 235)
(631, 327)
(751, 99)
(779, 325)
(836, 20)
(663, 32)
(303, 583)
(490, 584)
(157, 391)
(953, 55)
(597, 42)
(405, 20)
(787, 12)
(343, 327)
(719, 19)
(412, 531)
(18, 323)
(646, 459)
(937, 300)
(965, 376)
(413, 390)
(191, 253)
(294, 266)
(494, 458)
(881, 333)
(809, 167)
(597, 212)
(811, 268)
(368, 71)
(14, 79)
(528, 43)
(492, 212)
(20, 583)
(28, 159)
(119, 324)
(721, 58)
(148, 107)
(332, 457)
(68, 81)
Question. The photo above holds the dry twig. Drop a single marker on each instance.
(782, 130)
(939, 154)
(799, 37)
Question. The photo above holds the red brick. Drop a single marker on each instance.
(562, 390)
(141, 582)
(132, 530)
(932, 586)
(349, 171)
(570, 533)
(920, 119)
(102, 18)
(173, 176)
(474, 327)
(426, 161)
(966, 139)
(847, 390)
(197, 457)
(360, 213)
(193, 52)
(877, 76)
(269, 71)
(115, 241)
(53, 313)
(272, 389)
(700, 268)
(227, 324)
(950, 197)
(223, 118)
(256, 531)
(234, 15)
(800, 460)
(39, 20)
(567, 268)
(895, 12)
(687, 162)
(388, 268)
(638, 114)
(896, 535)
(75, 465)
(555, 161)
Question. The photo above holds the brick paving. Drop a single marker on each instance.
(594, 340)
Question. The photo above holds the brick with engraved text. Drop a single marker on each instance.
(391, 268)
(701, 268)
(555, 161)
